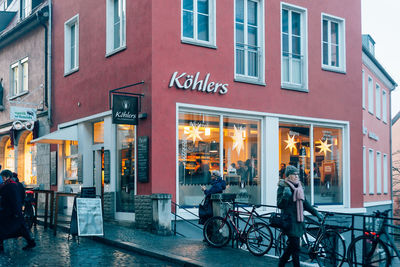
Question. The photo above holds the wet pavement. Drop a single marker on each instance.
(58, 251)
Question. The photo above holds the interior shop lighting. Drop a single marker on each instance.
(291, 143)
(324, 147)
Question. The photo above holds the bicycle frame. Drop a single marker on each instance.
(236, 214)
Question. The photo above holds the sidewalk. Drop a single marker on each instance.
(179, 250)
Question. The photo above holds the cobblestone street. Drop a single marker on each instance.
(57, 251)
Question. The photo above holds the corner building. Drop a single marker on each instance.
(237, 86)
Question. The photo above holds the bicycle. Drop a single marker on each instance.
(371, 249)
(29, 208)
(320, 242)
(257, 236)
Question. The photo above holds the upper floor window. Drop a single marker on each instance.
(249, 62)
(333, 43)
(198, 22)
(378, 101)
(384, 106)
(116, 25)
(19, 77)
(294, 48)
(363, 89)
(26, 7)
(370, 95)
(71, 45)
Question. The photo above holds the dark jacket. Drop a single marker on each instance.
(288, 206)
(217, 186)
(11, 218)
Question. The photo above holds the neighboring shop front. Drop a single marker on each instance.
(251, 148)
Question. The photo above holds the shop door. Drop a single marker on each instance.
(98, 172)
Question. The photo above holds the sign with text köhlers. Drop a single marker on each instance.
(125, 110)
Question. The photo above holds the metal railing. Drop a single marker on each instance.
(176, 216)
(248, 61)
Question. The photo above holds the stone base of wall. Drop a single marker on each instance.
(143, 212)
(108, 208)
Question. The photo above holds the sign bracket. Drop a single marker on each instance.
(114, 91)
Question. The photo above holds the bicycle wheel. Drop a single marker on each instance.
(217, 232)
(368, 251)
(331, 249)
(259, 239)
(29, 215)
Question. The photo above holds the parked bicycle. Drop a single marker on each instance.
(320, 243)
(257, 236)
(29, 208)
(373, 248)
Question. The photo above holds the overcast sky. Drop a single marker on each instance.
(380, 19)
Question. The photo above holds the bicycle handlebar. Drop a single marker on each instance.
(379, 213)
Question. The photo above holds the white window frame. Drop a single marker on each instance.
(384, 106)
(378, 172)
(371, 173)
(342, 43)
(364, 170)
(385, 174)
(21, 85)
(110, 49)
(363, 89)
(212, 34)
(261, 46)
(304, 49)
(68, 68)
(370, 95)
(378, 106)
(26, 8)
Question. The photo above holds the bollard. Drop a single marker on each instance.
(161, 214)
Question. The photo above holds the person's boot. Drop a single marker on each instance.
(31, 244)
(1, 247)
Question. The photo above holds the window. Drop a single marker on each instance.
(249, 59)
(378, 101)
(384, 106)
(98, 132)
(378, 173)
(294, 48)
(19, 77)
(116, 25)
(9, 155)
(370, 95)
(385, 174)
(363, 89)
(198, 22)
(228, 144)
(71, 45)
(333, 43)
(71, 162)
(364, 171)
(371, 163)
(25, 8)
(30, 163)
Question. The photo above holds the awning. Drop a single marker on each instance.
(59, 136)
(5, 130)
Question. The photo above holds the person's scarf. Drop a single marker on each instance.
(298, 197)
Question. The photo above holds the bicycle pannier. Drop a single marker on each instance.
(205, 210)
(280, 220)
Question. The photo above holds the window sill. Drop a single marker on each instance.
(197, 43)
(333, 69)
(242, 79)
(67, 73)
(19, 95)
(294, 88)
(115, 51)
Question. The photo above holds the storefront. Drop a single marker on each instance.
(251, 148)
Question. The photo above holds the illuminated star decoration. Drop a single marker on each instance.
(324, 147)
(194, 133)
(290, 143)
(238, 139)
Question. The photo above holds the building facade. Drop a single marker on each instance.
(396, 164)
(243, 87)
(377, 87)
(24, 83)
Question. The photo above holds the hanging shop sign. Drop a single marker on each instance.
(22, 114)
(197, 83)
(125, 109)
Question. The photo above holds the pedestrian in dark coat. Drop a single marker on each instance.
(12, 223)
(291, 200)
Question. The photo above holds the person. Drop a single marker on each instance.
(21, 188)
(282, 171)
(232, 169)
(303, 175)
(291, 200)
(218, 185)
(12, 223)
(250, 171)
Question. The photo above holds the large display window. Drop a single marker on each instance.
(30, 165)
(317, 152)
(71, 162)
(235, 154)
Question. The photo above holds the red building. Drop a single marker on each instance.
(241, 88)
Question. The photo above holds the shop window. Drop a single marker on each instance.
(98, 132)
(126, 172)
(9, 154)
(200, 153)
(320, 170)
(30, 166)
(71, 162)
